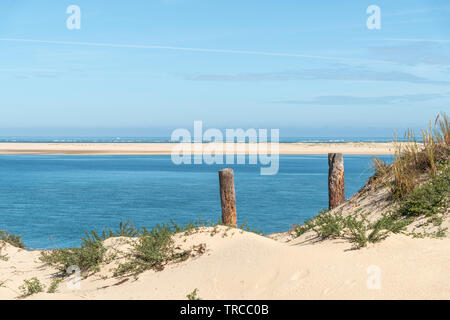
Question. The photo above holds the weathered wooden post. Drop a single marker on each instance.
(336, 181)
(228, 197)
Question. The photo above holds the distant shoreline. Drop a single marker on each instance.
(297, 148)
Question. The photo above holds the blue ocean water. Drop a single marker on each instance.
(51, 199)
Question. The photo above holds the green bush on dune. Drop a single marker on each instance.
(153, 249)
(87, 257)
(12, 239)
(356, 229)
(404, 178)
(413, 161)
(429, 199)
(30, 287)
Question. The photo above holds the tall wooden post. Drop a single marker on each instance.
(336, 181)
(228, 197)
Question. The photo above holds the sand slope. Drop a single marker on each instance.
(242, 265)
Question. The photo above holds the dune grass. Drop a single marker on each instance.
(87, 257)
(193, 295)
(414, 161)
(12, 239)
(428, 199)
(419, 185)
(153, 249)
(357, 229)
(30, 287)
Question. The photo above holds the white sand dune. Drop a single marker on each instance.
(243, 265)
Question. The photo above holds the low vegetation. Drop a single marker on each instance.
(429, 199)
(419, 185)
(87, 257)
(155, 248)
(414, 161)
(12, 239)
(193, 295)
(30, 287)
(3, 257)
(357, 229)
(151, 250)
(54, 285)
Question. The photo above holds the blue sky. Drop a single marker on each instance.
(306, 67)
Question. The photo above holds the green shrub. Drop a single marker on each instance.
(193, 295)
(329, 225)
(54, 285)
(90, 254)
(413, 163)
(428, 199)
(413, 160)
(3, 257)
(31, 287)
(153, 250)
(247, 228)
(125, 230)
(356, 229)
(325, 225)
(87, 257)
(12, 239)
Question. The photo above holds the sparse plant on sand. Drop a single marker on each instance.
(3, 257)
(193, 295)
(429, 199)
(413, 161)
(155, 248)
(152, 250)
(247, 228)
(30, 287)
(12, 239)
(419, 182)
(87, 257)
(54, 285)
(356, 229)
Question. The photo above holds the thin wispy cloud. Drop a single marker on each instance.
(226, 51)
(27, 73)
(361, 101)
(340, 74)
(417, 11)
(413, 53)
(30, 70)
(413, 40)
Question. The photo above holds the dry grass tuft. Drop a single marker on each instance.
(413, 161)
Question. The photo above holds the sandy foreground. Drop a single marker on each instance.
(167, 148)
(242, 265)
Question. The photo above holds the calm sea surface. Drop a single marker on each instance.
(50, 200)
